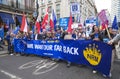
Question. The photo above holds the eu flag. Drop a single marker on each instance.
(114, 24)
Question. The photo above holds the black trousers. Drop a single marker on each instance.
(11, 50)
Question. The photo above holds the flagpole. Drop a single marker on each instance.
(108, 32)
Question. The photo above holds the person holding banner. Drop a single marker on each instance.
(115, 39)
(68, 36)
(58, 33)
(81, 34)
(95, 35)
(36, 35)
(8, 40)
(12, 35)
(105, 37)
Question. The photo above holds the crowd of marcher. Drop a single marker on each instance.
(80, 33)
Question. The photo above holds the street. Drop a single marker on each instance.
(33, 67)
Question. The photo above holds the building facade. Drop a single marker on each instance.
(12, 10)
(115, 9)
(62, 8)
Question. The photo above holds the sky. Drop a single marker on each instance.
(103, 4)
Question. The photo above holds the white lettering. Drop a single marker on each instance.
(70, 50)
(64, 49)
(30, 46)
(39, 47)
(76, 51)
(48, 47)
(44, 47)
(58, 48)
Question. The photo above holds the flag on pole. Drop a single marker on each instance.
(103, 18)
(37, 26)
(114, 24)
(45, 20)
(24, 26)
(53, 21)
(104, 26)
(70, 24)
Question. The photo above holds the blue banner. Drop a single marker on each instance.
(95, 54)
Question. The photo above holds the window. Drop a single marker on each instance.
(49, 1)
(1, 1)
(82, 1)
(43, 11)
(22, 4)
(57, 8)
(4, 2)
(42, 2)
(17, 3)
(71, 1)
(49, 9)
(12, 3)
(27, 6)
(58, 0)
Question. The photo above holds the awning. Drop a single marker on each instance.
(6, 17)
(19, 18)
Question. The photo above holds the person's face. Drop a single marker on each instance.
(110, 30)
(96, 29)
(80, 30)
